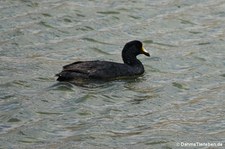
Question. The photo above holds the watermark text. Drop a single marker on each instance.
(199, 144)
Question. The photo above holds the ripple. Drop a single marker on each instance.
(95, 41)
(101, 51)
(9, 106)
(124, 133)
(13, 120)
(180, 86)
(63, 86)
(108, 12)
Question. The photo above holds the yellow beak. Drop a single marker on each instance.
(144, 51)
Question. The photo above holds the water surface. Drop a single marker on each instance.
(180, 98)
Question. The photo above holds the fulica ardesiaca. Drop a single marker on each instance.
(103, 70)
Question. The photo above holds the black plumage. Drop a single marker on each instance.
(103, 70)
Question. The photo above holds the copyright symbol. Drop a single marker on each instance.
(178, 144)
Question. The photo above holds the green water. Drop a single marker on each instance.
(179, 99)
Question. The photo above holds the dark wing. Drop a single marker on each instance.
(94, 69)
(97, 70)
(84, 67)
(80, 69)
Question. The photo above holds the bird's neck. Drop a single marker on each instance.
(129, 57)
(129, 60)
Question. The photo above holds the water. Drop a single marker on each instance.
(179, 99)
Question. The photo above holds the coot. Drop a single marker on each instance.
(104, 70)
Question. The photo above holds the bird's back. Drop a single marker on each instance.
(96, 70)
